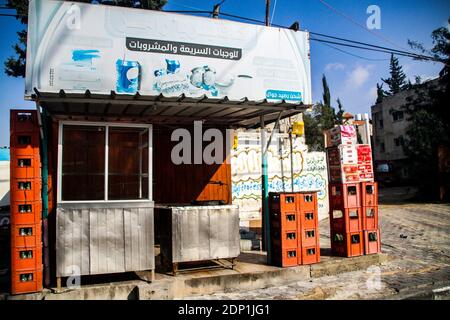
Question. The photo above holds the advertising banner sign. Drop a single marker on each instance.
(77, 46)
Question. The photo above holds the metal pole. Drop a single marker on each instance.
(367, 129)
(267, 12)
(42, 118)
(265, 191)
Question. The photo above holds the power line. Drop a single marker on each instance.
(366, 44)
(329, 6)
(358, 44)
(372, 49)
(352, 54)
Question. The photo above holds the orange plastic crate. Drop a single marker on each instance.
(372, 241)
(26, 258)
(25, 189)
(28, 281)
(23, 121)
(309, 237)
(346, 220)
(370, 218)
(307, 201)
(24, 143)
(26, 212)
(347, 244)
(369, 194)
(308, 220)
(290, 257)
(26, 235)
(345, 195)
(25, 167)
(310, 255)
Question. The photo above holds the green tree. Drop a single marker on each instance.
(322, 117)
(396, 82)
(15, 65)
(380, 93)
(340, 114)
(441, 48)
(429, 120)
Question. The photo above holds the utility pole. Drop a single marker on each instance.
(267, 12)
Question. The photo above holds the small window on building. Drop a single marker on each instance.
(380, 123)
(399, 141)
(397, 116)
(382, 147)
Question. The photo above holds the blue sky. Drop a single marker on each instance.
(351, 79)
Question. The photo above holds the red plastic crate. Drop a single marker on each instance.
(23, 121)
(310, 255)
(369, 194)
(370, 217)
(309, 237)
(26, 281)
(372, 241)
(26, 235)
(25, 167)
(25, 189)
(346, 220)
(345, 195)
(26, 258)
(26, 212)
(307, 201)
(347, 244)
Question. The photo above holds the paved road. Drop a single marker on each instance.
(420, 260)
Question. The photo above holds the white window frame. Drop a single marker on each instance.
(106, 125)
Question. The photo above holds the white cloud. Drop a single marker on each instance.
(373, 93)
(334, 66)
(359, 76)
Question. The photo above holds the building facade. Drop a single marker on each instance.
(390, 123)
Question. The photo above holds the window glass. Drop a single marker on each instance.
(127, 163)
(83, 163)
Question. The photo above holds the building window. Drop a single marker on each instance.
(382, 147)
(104, 163)
(397, 116)
(380, 123)
(399, 141)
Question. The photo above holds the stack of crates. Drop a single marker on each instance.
(294, 228)
(26, 203)
(352, 194)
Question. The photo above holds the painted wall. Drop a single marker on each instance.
(310, 172)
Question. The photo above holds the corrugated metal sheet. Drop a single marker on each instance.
(197, 233)
(104, 238)
(164, 110)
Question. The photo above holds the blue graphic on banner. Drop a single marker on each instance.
(4, 154)
(284, 95)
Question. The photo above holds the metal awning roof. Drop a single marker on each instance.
(163, 110)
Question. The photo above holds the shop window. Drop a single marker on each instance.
(91, 152)
(83, 163)
(128, 164)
